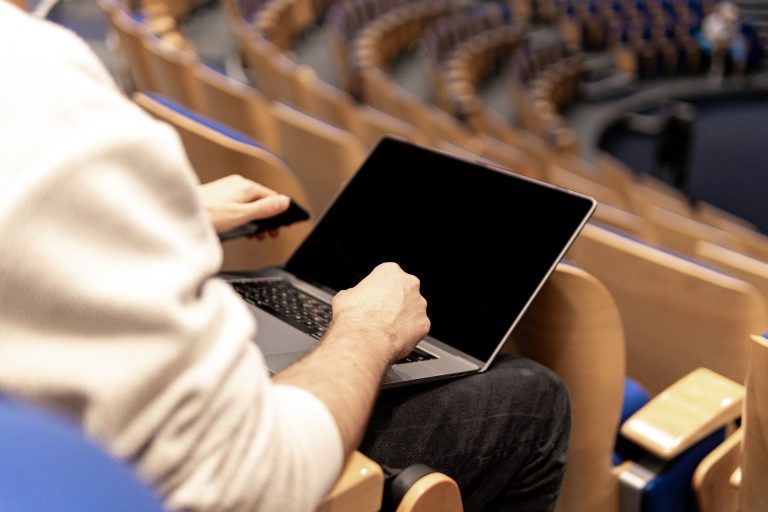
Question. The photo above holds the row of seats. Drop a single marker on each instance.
(543, 78)
(655, 326)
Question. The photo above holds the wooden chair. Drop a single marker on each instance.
(573, 327)
(130, 36)
(215, 155)
(373, 124)
(733, 476)
(626, 222)
(678, 315)
(173, 72)
(681, 233)
(754, 471)
(322, 156)
(237, 105)
(746, 268)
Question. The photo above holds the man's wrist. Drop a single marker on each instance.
(377, 341)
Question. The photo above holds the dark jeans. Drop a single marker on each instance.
(502, 435)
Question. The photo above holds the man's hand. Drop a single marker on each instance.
(386, 302)
(374, 324)
(235, 200)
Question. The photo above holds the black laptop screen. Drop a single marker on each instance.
(480, 240)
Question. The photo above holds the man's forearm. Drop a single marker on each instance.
(344, 372)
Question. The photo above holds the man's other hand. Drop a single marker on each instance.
(234, 200)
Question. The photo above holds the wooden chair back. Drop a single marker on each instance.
(754, 469)
(173, 72)
(321, 155)
(681, 234)
(573, 327)
(214, 155)
(237, 105)
(678, 315)
(130, 36)
(746, 268)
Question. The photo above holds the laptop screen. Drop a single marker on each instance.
(481, 240)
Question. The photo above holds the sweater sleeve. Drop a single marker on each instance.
(110, 311)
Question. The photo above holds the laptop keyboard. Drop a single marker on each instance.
(299, 309)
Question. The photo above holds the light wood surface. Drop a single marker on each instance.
(573, 327)
(677, 315)
(322, 156)
(686, 412)
(754, 467)
(130, 36)
(172, 72)
(711, 479)
(629, 223)
(751, 270)
(359, 488)
(213, 156)
(435, 492)
(237, 105)
(679, 233)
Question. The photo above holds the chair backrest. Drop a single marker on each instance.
(678, 315)
(173, 72)
(681, 234)
(573, 327)
(620, 219)
(130, 36)
(747, 268)
(754, 469)
(237, 105)
(46, 463)
(214, 155)
(321, 155)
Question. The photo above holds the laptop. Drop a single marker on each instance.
(482, 241)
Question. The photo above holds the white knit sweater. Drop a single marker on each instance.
(108, 310)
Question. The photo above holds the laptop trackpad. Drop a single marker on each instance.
(278, 362)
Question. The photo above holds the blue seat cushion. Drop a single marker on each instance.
(46, 464)
(635, 397)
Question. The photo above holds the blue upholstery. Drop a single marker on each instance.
(671, 491)
(47, 465)
(205, 121)
(635, 397)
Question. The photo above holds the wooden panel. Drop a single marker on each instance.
(573, 327)
(677, 315)
(754, 468)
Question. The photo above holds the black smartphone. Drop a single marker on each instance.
(294, 213)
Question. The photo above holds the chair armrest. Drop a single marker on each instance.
(689, 410)
(359, 488)
(433, 492)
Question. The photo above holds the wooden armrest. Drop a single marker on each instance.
(686, 412)
(359, 489)
(430, 493)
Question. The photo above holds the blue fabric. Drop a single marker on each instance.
(46, 464)
(672, 491)
(635, 397)
(205, 121)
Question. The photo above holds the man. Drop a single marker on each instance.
(111, 314)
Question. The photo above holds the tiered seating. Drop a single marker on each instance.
(544, 78)
(676, 314)
(345, 19)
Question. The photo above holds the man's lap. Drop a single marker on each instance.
(485, 430)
